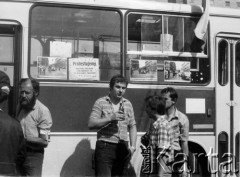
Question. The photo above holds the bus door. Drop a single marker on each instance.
(228, 99)
(10, 56)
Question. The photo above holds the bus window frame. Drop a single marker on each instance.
(126, 53)
(121, 18)
(227, 67)
(237, 79)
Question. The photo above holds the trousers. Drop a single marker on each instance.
(32, 165)
(111, 159)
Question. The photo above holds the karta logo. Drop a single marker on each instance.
(153, 160)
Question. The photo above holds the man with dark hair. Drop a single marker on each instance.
(11, 135)
(36, 122)
(113, 116)
(180, 126)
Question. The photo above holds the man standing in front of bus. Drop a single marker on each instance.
(113, 116)
(12, 147)
(181, 131)
(36, 121)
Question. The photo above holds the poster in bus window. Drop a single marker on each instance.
(52, 67)
(143, 70)
(167, 40)
(177, 71)
(60, 49)
(83, 68)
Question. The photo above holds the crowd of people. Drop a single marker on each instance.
(23, 138)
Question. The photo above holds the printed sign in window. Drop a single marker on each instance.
(60, 49)
(83, 69)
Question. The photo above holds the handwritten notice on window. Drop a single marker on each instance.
(83, 69)
(60, 49)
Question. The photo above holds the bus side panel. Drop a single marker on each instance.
(72, 144)
(70, 107)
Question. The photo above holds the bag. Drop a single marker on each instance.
(145, 139)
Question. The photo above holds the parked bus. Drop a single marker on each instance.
(74, 47)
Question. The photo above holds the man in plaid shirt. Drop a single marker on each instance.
(169, 133)
(161, 138)
(179, 125)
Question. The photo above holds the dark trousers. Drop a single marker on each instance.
(111, 159)
(32, 165)
(178, 163)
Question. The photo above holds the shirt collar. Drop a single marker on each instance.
(121, 101)
(36, 104)
(175, 115)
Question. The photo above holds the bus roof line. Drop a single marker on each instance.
(128, 4)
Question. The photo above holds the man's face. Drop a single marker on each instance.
(169, 101)
(27, 95)
(118, 90)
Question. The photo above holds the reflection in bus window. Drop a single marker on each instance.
(177, 35)
(223, 62)
(237, 67)
(74, 44)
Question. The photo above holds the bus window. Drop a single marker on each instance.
(162, 33)
(70, 43)
(223, 62)
(181, 31)
(163, 49)
(237, 67)
(7, 50)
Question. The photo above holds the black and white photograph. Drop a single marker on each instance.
(177, 71)
(119, 88)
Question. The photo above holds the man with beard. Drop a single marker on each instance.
(11, 135)
(113, 116)
(36, 121)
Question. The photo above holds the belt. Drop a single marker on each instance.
(119, 142)
(35, 150)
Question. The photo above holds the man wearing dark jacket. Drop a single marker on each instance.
(11, 136)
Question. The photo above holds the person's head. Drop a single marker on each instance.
(170, 95)
(161, 105)
(29, 91)
(155, 105)
(4, 86)
(118, 85)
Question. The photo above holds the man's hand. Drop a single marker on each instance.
(132, 149)
(118, 116)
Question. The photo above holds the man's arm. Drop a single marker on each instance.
(185, 135)
(44, 127)
(184, 144)
(133, 138)
(96, 121)
(185, 147)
